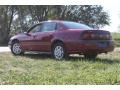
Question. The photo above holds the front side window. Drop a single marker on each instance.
(48, 27)
(36, 28)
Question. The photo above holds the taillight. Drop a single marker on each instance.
(92, 36)
(87, 36)
(109, 37)
(96, 35)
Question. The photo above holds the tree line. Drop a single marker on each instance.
(17, 18)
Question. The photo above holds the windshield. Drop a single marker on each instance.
(74, 25)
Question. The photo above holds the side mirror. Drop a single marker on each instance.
(27, 33)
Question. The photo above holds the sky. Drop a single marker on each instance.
(113, 9)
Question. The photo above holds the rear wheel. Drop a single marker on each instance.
(16, 48)
(90, 55)
(59, 51)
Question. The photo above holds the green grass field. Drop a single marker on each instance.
(116, 37)
(39, 69)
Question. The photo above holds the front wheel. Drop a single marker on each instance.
(16, 48)
(58, 51)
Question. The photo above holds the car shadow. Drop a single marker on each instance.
(72, 58)
(38, 56)
(98, 59)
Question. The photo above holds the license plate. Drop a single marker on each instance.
(103, 44)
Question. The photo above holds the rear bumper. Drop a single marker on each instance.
(91, 46)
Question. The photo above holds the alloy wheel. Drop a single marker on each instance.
(16, 48)
(58, 52)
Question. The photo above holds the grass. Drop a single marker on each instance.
(39, 69)
(116, 37)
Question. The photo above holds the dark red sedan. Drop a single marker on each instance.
(61, 38)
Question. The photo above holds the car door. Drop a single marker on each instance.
(45, 36)
(30, 40)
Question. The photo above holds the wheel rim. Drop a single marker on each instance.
(59, 52)
(16, 48)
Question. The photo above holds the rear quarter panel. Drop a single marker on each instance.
(69, 37)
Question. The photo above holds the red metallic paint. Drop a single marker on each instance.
(42, 41)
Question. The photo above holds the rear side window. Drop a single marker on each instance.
(48, 27)
(74, 25)
(59, 26)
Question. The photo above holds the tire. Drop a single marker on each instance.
(90, 55)
(59, 51)
(16, 48)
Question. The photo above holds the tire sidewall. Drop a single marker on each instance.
(64, 50)
(16, 42)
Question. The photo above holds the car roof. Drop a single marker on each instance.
(57, 21)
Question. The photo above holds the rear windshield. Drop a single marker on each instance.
(74, 25)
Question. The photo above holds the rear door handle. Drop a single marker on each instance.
(34, 36)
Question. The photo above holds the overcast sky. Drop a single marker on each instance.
(113, 8)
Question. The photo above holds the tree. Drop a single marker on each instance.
(7, 14)
(19, 18)
(92, 15)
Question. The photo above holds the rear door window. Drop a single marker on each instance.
(74, 25)
(48, 27)
(59, 26)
